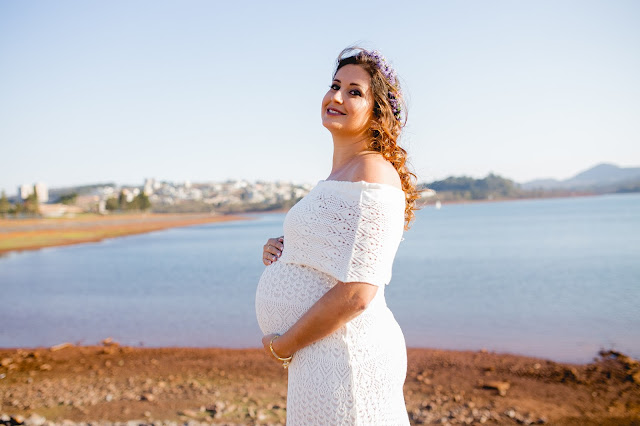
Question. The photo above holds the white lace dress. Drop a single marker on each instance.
(349, 232)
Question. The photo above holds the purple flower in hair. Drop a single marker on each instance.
(390, 74)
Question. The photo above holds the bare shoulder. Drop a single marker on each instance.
(375, 169)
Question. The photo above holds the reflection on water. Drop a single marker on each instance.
(551, 278)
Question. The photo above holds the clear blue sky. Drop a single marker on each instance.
(206, 91)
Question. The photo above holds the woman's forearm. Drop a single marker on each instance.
(338, 306)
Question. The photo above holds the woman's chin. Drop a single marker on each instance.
(332, 126)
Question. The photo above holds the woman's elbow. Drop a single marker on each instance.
(360, 299)
(358, 304)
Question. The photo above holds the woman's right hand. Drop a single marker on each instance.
(272, 250)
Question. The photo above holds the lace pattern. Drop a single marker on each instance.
(350, 230)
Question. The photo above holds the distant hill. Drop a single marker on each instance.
(466, 188)
(601, 179)
(602, 176)
(55, 194)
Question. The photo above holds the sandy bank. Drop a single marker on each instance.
(32, 234)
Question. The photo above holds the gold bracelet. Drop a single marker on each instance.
(285, 361)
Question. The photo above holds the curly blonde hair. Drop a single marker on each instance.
(389, 118)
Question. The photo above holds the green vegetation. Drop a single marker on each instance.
(30, 206)
(467, 188)
(139, 203)
(69, 199)
(5, 205)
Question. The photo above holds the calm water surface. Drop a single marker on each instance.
(556, 278)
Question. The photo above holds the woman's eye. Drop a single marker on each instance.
(335, 87)
(356, 92)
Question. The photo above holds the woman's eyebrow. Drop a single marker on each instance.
(355, 84)
(350, 84)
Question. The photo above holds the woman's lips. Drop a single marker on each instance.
(332, 111)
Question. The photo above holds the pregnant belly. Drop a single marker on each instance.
(285, 292)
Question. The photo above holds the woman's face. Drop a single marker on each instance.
(348, 105)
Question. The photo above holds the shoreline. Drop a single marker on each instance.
(28, 234)
(431, 201)
(113, 383)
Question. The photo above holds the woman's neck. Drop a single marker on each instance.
(344, 151)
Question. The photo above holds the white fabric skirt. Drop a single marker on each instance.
(354, 376)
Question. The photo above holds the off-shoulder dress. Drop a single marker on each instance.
(349, 232)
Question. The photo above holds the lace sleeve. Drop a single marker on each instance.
(349, 230)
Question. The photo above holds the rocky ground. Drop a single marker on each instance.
(109, 384)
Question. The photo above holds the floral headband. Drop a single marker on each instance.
(391, 76)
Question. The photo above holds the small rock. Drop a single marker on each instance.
(251, 412)
(60, 346)
(109, 342)
(5, 361)
(45, 367)
(17, 419)
(35, 420)
(147, 397)
(188, 413)
(429, 406)
(571, 374)
(501, 387)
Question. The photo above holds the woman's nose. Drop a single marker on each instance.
(337, 97)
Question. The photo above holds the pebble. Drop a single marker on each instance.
(60, 346)
(35, 420)
(501, 387)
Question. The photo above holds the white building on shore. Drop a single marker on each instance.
(41, 189)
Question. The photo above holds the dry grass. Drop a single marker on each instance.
(31, 234)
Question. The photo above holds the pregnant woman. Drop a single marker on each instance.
(320, 300)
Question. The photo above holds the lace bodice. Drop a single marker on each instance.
(349, 230)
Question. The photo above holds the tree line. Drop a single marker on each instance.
(467, 188)
(120, 203)
(29, 207)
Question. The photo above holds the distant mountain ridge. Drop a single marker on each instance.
(601, 175)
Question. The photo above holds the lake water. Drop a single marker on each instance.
(555, 278)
